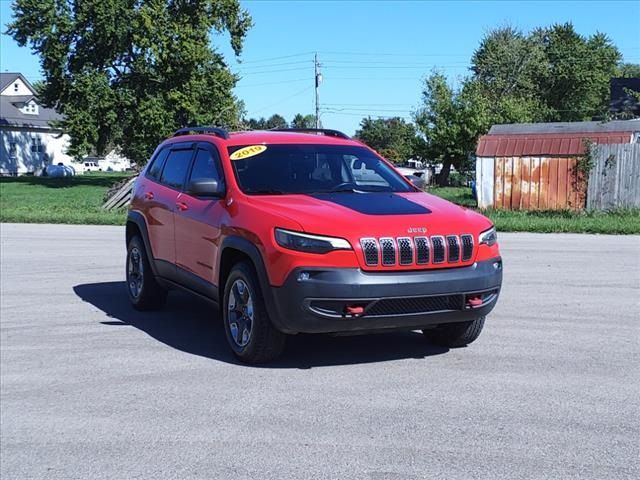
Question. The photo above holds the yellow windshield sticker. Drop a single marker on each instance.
(246, 152)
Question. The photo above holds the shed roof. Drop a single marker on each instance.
(561, 138)
(566, 127)
(543, 144)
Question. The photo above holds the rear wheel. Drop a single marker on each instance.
(455, 334)
(144, 291)
(249, 330)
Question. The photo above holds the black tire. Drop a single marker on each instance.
(264, 342)
(455, 334)
(144, 291)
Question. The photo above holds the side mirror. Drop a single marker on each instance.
(206, 187)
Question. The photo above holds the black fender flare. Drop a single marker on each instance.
(249, 249)
(138, 220)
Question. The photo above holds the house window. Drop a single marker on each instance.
(15, 87)
(13, 149)
(36, 145)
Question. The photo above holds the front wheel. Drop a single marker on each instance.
(142, 287)
(455, 334)
(249, 330)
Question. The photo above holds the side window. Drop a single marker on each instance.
(205, 166)
(175, 168)
(154, 170)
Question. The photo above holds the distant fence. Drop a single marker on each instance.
(122, 197)
(614, 180)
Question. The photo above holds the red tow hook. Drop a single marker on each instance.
(354, 310)
(474, 302)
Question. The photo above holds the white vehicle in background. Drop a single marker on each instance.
(419, 177)
(87, 165)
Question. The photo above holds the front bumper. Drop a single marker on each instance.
(334, 300)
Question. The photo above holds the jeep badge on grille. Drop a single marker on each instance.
(417, 230)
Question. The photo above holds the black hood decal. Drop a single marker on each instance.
(378, 203)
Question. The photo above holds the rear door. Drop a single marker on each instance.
(161, 196)
(198, 224)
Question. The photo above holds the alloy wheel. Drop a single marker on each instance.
(240, 313)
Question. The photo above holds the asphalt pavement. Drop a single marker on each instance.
(91, 389)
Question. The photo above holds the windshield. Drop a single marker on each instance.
(303, 168)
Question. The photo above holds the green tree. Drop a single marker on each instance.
(553, 73)
(276, 121)
(576, 86)
(303, 121)
(628, 70)
(129, 73)
(393, 138)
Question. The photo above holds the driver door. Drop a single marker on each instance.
(198, 224)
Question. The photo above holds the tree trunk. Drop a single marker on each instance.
(443, 177)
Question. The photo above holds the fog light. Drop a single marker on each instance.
(303, 276)
(496, 265)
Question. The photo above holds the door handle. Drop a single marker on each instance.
(182, 206)
(148, 195)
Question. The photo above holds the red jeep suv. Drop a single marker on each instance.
(305, 231)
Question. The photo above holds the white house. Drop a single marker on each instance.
(28, 141)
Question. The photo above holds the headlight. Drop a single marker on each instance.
(488, 237)
(304, 242)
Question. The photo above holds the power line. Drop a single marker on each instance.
(297, 69)
(276, 58)
(274, 83)
(306, 89)
(299, 62)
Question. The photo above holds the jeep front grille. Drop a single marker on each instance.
(407, 251)
(405, 248)
(438, 249)
(422, 250)
(467, 247)
(414, 305)
(388, 246)
(370, 251)
(453, 247)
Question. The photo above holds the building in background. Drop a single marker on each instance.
(625, 97)
(28, 141)
(535, 166)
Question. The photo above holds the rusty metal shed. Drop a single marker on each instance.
(533, 166)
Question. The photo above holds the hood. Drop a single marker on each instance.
(377, 214)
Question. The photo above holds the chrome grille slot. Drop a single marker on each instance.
(388, 247)
(467, 247)
(422, 250)
(405, 251)
(370, 251)
(453, 248)
(438, 249)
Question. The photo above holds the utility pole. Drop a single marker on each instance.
(318, 80)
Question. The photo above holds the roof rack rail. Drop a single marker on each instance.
(318, 131)
(217, 131)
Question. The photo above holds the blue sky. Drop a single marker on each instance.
(374, 54)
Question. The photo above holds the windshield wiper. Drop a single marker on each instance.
(266, 191)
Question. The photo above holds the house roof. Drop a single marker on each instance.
(20, 98)
(10, 115)
(562, 139)
(7, 78)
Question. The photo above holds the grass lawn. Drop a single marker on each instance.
(79, 199)
(621, 221)
(59, 200)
